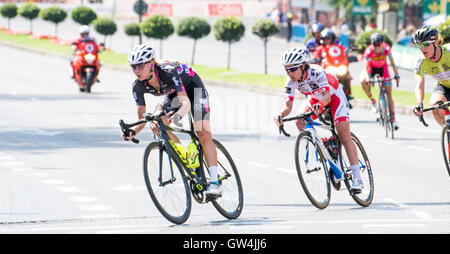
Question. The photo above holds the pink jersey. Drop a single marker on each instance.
(377, 61)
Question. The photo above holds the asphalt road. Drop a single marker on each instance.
(65, 169)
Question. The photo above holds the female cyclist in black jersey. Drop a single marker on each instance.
(183, 90)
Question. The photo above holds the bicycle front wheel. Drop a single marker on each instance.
(312, 171)
(445, 143)
(366, 196)
(231, 203)
(166, 184)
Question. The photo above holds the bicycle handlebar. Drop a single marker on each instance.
(440, 104)
(303, 116)
(148, 117)
(380, 80)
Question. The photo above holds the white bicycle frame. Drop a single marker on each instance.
(316, 140)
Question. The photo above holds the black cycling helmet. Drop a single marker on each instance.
(376, 38)
(427, 33)
(328, 33)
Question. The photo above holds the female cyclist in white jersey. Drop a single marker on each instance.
(323, 90)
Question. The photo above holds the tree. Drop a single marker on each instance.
(228, 29)
(444, 30)
(83, 15)
(29, 11)
(158, 27)
(105, 26)
(264, 28)
(132, 29)
(9, 11)
(194, 28)
(363, 39)
(54, 14)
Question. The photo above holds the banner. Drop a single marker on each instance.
(362, 7)
(218, 9)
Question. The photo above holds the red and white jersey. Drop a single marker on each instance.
(317, 81)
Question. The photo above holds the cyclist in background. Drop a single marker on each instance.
(323, 90)
(435, 62)
(375, 62)
(183, 89)
(314, 42)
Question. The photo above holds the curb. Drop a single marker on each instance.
(356, 103)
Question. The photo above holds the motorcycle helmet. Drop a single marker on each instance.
(317, 28)
(328, 33)
(84, 29)
(295, 56)
(141, 54)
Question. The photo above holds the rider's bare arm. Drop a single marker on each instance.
(420, 88)
(288, 107)
(394, 67)
(366, 68)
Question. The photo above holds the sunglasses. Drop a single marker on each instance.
(377, 44)
(138, 66)
(425, 44)
(293, 68)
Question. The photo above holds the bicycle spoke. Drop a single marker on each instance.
(312, 172)
(166, 185)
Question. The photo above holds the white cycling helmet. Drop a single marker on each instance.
(295, 56)
(141, 54)
(84, 29)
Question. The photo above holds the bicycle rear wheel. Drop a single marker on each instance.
(168, 188)
(231, 203)
(366, 196)
(389, 125)
(312, 171)
(445, 143)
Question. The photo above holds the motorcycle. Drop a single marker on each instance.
(335, 62)
(86, 66)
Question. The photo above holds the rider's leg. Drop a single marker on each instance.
(391, 104)
(438, 114)
(203, 130)
(343, 130)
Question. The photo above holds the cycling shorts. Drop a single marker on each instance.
(199, 98)
(440, 89)
(383, 72)
(338, 104)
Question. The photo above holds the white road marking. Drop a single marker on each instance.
(257, 164)
(11, 163)
(54, 181)
(82, 199)
(420, 214)
(130, 187)
(68, 189)
(95, 208)
(6, 157)
(393, 225)
(420, 148)
(290, 171)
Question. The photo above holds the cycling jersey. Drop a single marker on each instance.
(439, 70)
(175, 77)
(318, 81)
(376, 60)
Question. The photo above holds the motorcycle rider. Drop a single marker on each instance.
(331, 53)
(84, 37)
